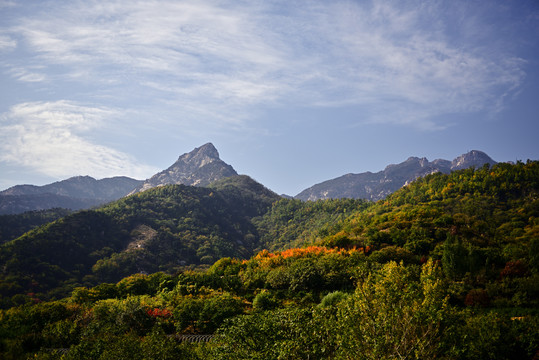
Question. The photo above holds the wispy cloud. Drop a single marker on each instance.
(52, 138)
(27, 75)
(404, 67)
(7, 43)
(221, 60)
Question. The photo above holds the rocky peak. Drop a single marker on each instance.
(200, 156)
(199, 167)
(474, 158)
(424, 162)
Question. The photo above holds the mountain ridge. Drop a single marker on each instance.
(376, 186)
(76, 193)
(203, 166)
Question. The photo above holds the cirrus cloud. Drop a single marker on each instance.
(398, 62)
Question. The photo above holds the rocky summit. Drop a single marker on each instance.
(199, 167)
(376, 186)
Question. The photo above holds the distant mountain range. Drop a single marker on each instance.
(202, 166)
(79, 192)
(376, 186)
(199, 167)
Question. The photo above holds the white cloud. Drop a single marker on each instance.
(222, 59)
(53, 138)
(26, 75)
(7, 43)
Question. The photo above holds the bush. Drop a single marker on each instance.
(264, 301)
(333, 298)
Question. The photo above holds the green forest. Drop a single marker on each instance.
(447, 267)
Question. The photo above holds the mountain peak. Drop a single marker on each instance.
(474, 158)
(197, 158)
(200, 167)
(209, 150)
(205, 151)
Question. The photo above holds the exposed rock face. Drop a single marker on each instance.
(200, 167)
(473, 158)
(376, 186)
(79, 192)
(140, 236)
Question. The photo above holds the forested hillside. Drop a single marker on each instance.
(294, 223)
(445, 268)
(472, 220)
(161, 229)
(169, 228)
(13, 226)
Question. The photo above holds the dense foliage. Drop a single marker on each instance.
(445, 268)
(13, 226)
(483, 225)
(292, 223)
(165, 228)
(390, 311)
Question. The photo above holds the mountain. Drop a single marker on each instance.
(449, 264)
(82, 187)
(79, 192)
(199, 167)
(473, 158)
(376, 186)
(202, 166)
(160, 229)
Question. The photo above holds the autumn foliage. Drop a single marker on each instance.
(159, 313)
(272, 258)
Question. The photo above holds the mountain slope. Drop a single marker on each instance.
(376, 186)
(19, 204)
(199, 167)
(460, 214)
(294, 223)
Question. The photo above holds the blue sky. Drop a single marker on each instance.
(291, 93)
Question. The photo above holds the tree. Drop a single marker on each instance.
(394, 314)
